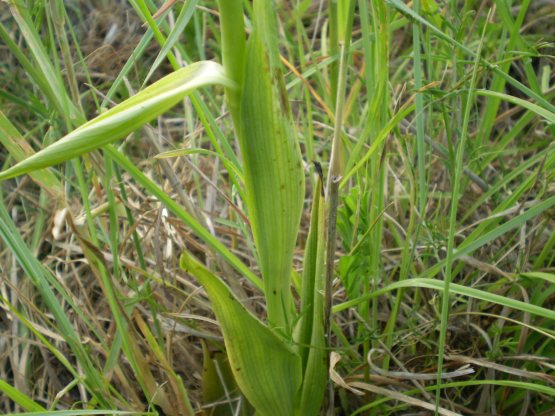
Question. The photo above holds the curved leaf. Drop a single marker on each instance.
(265, 367)
(124, 118)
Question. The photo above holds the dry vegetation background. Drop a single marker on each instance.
(164, 302)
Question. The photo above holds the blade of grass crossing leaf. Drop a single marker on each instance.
(178, 211)
(265, 367)
(180, 25)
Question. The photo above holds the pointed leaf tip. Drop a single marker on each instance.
(125, 117)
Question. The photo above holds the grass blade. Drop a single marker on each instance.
(454, 289)
(549, 116)
(20, 398)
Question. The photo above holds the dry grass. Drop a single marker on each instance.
(498, 342)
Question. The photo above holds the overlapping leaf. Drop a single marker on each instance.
(265, 367)
(274, 175)
(124, 118)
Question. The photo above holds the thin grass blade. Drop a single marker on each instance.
(454, 289)
(312, 324)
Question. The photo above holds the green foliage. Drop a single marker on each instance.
(124, 118)
(437, 144)
(265, 366)
(272, 164)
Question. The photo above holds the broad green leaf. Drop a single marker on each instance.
(274, 175)
(124, 118)
(266, 368)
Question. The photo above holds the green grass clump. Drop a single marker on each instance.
(277, 208)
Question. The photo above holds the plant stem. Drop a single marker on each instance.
(233, 53)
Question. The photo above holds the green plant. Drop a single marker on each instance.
(293, 381)
(479, 154)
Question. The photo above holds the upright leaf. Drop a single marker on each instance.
(265, 367)
(274, 176)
